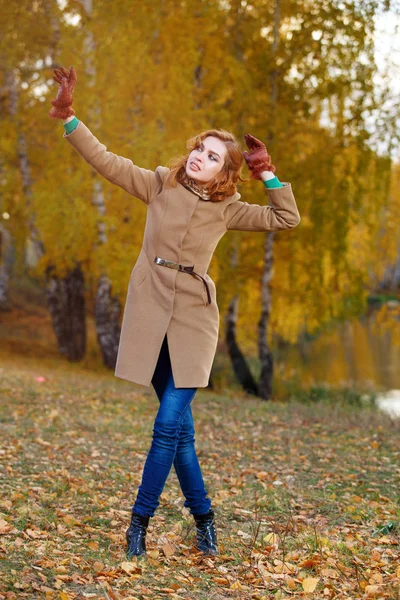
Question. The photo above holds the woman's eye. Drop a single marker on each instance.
(213, 157)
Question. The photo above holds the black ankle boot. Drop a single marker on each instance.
(136, 535)
(206, 535)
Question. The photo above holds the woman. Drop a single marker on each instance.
(170, 325)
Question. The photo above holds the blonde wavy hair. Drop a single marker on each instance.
(223, 184)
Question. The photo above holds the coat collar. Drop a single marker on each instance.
(163, 173)
(194, 187)
(227, 200)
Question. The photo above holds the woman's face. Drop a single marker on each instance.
(207, 160)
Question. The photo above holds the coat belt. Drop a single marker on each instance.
(174, 265)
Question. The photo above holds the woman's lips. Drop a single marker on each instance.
(194, 166)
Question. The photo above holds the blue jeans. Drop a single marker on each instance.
(172, 444)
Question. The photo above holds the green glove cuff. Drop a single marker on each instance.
(71, 125)
(272, 183)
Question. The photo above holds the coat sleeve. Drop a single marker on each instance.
(281, 214)
(139, 182)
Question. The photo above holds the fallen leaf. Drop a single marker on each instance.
(32, 533)
(128, 567)
(168, 549)
(309, 562)
(376, 555)
(5, 527)
(309, 584)
(290, 582)
(271, 539)
(236, 585)
(265, 574)
(93, 545)
(372, 590)
(221, 580)
(375, 578)
(283, 567)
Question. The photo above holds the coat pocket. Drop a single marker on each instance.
(139, 272)
(212, 288)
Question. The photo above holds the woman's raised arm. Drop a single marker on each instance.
(282, 214)
(142, 183)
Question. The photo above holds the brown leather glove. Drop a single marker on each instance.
(258, 160)
(62, 105)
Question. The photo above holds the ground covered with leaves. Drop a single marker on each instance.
(306, 496)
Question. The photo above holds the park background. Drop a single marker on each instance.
(310, 318)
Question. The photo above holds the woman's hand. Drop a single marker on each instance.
(258, 160)
(62, 105)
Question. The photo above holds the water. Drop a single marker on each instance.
(390, 403)
(363, 352)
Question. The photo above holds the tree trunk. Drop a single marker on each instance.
(65, 296)
(66, 302)
(265, 355)
(239, 363)
(107, 309)
(391, 277)
(107, 315)
(36, 249)
(6, 258)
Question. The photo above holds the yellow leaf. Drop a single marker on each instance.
(236, 585)
(221, 580)
(384, 539)
(363, 584)
(376, 555)
(372, 590)
(70, 520)
(376, 578)
(93, 545)
(309, 584)
(271, 539)
(283, 567)
(290, 583)
(168, 549)
(129, 567)
(64, 596)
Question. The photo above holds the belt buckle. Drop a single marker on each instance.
(188, 269)
(173, 265)
(166, 263)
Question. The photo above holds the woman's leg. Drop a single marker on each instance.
(166, 433)
(185, 462)
(188, 469)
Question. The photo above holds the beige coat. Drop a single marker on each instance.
(183, 228)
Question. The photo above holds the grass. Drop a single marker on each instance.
(296, 483)
(302, 490)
